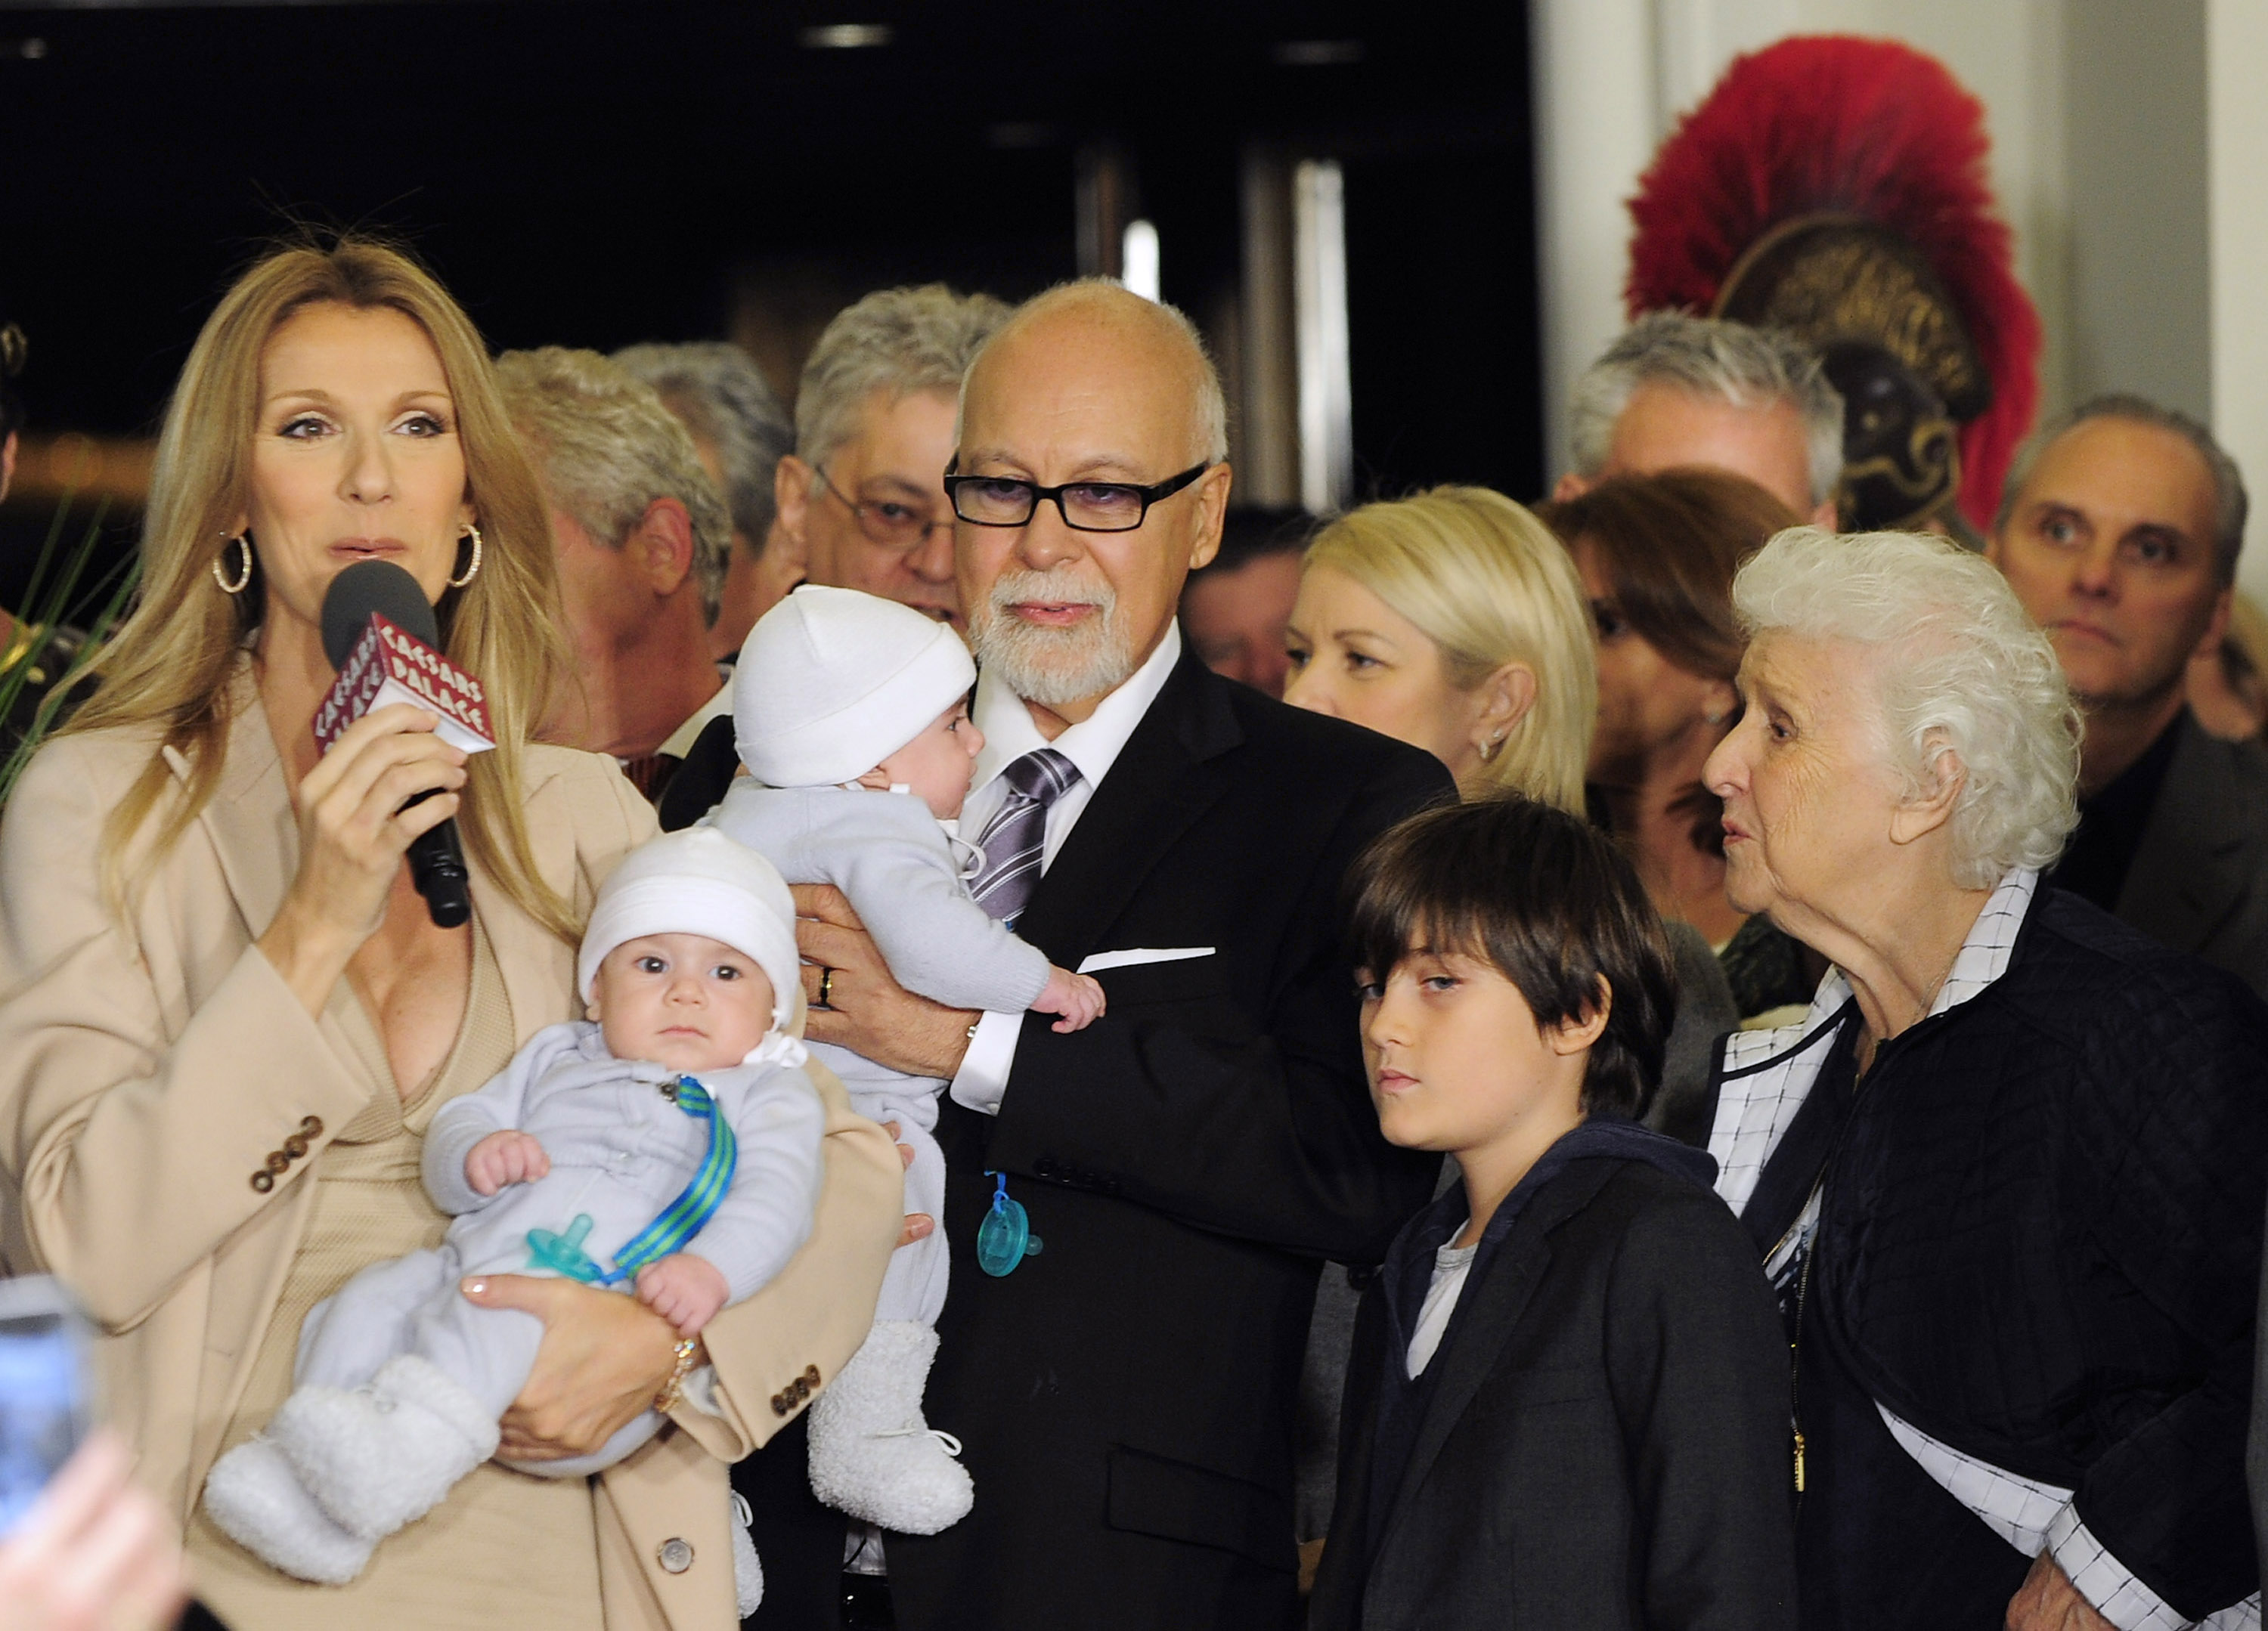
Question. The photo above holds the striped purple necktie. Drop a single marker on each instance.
(1015, 837)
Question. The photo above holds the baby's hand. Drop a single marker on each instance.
(684, 1290)
(1076, 997)
(505, 1158)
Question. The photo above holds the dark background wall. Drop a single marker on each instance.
(596, 173)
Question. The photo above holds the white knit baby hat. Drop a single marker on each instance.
(833, 682)
(698, 882)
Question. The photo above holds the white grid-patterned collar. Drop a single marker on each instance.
(1768, 1074)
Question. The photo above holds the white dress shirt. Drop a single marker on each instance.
(1093, 745)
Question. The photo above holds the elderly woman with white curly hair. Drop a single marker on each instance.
(2008, 1173)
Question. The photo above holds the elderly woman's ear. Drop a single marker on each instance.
(1500, 703)
(1930, 809)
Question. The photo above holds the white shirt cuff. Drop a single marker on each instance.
(982, 1082)
(2105, 1582)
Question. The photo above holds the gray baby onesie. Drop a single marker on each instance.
(621, 1151)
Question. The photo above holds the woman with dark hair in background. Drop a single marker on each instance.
(1657, 555)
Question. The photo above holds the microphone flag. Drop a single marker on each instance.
(389, 665)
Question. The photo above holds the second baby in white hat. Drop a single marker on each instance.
(851, 713)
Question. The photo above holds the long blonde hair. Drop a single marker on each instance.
(170, 668)
(1488, 585)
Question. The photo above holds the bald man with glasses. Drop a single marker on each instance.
(1124, 1398)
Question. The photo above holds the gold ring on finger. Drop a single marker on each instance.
(826, 984)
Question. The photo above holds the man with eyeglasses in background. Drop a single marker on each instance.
(1124, 1399)
(860, 502)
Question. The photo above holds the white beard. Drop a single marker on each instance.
(1052, 666)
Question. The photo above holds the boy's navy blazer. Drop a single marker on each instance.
(1572, 1470)
(1126, 1397)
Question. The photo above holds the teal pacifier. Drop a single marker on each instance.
(564, 1253)
(1004, 1239)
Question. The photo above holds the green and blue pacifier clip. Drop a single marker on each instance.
(681, 1220)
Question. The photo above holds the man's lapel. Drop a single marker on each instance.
(1169, 774)
(2193, 864)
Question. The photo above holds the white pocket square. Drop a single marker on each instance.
(1127, 959)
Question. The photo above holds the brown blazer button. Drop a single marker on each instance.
(263, 1180)
(279, 1163)
(811, 1375)
(295, 1146)
(802, 1388)
(313, 1126)
(675, 1555)
(780, 1405)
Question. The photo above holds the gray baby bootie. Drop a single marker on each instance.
(258, 1502)
(379, 1456)
(747, 1570)
(872, 1454)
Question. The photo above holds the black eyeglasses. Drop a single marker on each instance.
(1086, 506)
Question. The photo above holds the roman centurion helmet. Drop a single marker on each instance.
(1835, 187)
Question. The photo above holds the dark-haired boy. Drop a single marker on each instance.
(1567, 1405)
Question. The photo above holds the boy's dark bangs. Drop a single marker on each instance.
(1419, 888)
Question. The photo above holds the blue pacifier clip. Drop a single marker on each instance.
(563, 1252)
(1004, 1239)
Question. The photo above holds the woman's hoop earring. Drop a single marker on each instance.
(473, 570)
(244, 575)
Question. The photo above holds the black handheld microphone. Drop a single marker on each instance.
(437, 860)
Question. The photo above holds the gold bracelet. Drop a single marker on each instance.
(673, 1390)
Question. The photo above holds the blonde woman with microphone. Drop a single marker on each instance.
(226, 1017)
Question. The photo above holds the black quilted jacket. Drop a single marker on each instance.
(2040, 1237)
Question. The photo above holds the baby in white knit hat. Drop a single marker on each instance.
(851, 713)
(668, 1146)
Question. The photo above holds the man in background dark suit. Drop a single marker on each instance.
(1125, 1397)
(2119, 531)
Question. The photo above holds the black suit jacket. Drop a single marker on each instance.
(2199, 877)
(1126, 1397)
(1603, 1444)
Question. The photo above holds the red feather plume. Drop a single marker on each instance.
(1859, 127)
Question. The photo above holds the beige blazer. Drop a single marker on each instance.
(149, 1069)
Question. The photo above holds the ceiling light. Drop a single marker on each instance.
(845, 36)
(1315, 53)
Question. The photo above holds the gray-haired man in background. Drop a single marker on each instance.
(861, 503)
(862, 498)
(741, 432)
(641, 534)
(2119, 530)
(1675, 390)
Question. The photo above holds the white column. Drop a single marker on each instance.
(1319, 303)
(1594, 104)
(2236, 44)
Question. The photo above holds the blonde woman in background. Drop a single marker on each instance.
(1456, 621)
(226, 1018)
(1452, 621)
